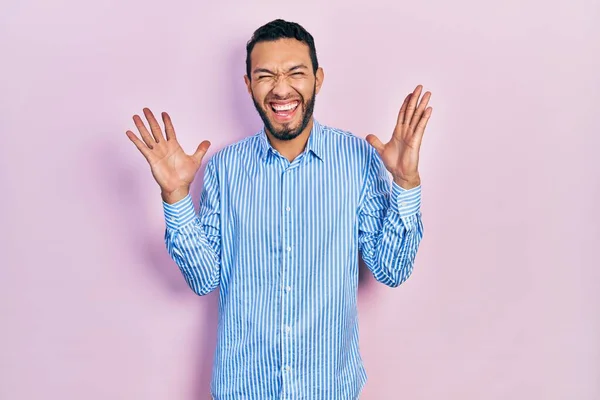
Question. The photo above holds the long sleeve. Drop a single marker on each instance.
(390, 225)
(194, 240)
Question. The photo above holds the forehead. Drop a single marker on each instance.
(281, 53)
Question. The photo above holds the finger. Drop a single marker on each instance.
(422, 106)
(376, 143)
(156, 131)
(169, 130)
(402, 111)
(201, 151)
(148, 139)
(420, 129)
(412, 104)
(145, 150)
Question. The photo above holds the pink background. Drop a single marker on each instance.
(504, 300)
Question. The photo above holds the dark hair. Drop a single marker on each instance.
(280, 29)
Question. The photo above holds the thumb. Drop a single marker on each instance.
(201, 151)
(376, 143)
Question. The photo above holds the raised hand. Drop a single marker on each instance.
(171, 167)
(401, 154)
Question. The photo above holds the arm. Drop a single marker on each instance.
(390, 225)
(194, 240)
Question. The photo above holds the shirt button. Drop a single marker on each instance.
(288, 329)
(403, 204)
(287, 368)
(289, 248)
(288, 288)
(287, 208)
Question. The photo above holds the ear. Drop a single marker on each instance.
(248, 86)
(319, 76)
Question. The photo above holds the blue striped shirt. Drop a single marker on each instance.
(281, 240)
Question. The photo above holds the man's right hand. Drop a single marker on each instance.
(172, 169)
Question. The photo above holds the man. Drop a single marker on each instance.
(283, 215)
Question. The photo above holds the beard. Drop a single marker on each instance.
(287, 132)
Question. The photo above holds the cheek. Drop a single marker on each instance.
(258, 97)
(305, 88)
(258, 94)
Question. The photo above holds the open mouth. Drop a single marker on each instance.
(284, 111)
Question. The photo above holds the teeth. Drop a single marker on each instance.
(285, 107)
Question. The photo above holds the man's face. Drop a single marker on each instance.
(283, 86)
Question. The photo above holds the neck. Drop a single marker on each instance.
(291, 149)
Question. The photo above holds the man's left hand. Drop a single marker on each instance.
(401, 154)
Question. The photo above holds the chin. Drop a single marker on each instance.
(286, 130)
(286, 133)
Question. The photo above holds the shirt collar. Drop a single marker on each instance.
(313, 145)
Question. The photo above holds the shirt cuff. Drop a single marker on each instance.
(180, 213)
(406, 202)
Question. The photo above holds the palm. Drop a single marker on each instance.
(171, 167)
(401, 154)
(174, 169)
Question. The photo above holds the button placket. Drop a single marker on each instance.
(287, 258)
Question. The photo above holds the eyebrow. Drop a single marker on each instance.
(268, 71)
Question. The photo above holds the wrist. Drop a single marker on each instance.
(175, 195)
(407, 183)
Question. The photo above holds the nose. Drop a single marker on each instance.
(281, 87)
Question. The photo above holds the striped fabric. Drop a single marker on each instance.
(281, 241)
